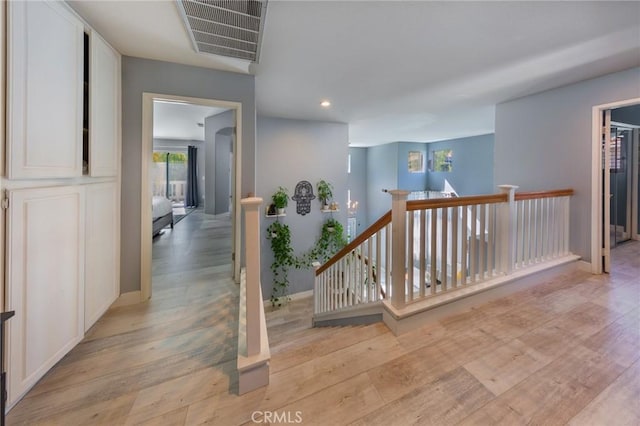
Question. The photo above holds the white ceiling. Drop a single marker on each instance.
(398, 70)
(180, 121)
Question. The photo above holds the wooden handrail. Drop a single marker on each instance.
(439, 203)
(456, 201)
(543, 194)
(377, 226)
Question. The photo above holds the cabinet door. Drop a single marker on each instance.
(45, 280)
(104, 98)
(44, 94)
(102, 273)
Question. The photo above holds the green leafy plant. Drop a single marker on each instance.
(325, 191)
(331, 241)
(280, 198)
(279, 235)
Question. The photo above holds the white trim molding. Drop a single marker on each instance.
(145, 186)
(597, 189)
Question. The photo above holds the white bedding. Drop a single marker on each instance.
(161, 206)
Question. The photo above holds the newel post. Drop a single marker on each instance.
(398, 246)
(508, 228)
(252, 209)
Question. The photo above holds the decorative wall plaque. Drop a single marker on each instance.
(303, 195)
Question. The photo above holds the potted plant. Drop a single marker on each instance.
(280, 199)
(325, 192)
(279, 235)
(331, 241)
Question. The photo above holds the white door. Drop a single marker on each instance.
(104, 108)
(45, 281)
(44, 91)
(102, 250)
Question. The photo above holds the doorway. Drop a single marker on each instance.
(621, 170)
(146, 183)
(616, 183)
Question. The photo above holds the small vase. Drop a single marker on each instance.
(281, 211)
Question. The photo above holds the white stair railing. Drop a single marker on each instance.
(359, 274)
(253, 343)
(452, 243)
(542, 226)
(423, 248)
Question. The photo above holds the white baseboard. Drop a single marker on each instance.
(130, 298)
(294, 296)
(584, 266)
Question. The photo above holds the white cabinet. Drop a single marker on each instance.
(45, 285)
(102, 250)
(45, 89)
(62, 239)
(104, 109)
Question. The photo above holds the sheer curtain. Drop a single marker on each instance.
(191, 198)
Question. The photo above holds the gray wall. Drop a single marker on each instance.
(543, 142)
(216, 130)
(167, 144)
(145, 75)
(357, 183)
(223, 171)
(291, 151)
(382, 173)
(472, 171)
(411, 181)
(628, 115)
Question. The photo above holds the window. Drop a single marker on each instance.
(441, 161)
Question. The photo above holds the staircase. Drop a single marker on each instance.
(425, 257)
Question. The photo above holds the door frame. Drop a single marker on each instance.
(145, 187)
(598, 249)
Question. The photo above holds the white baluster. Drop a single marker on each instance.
(410, 255)
(481, 239)
(491, 248)
(473, 265)
(454, 246)
(444, 248)
(423, 254)
(464, 255)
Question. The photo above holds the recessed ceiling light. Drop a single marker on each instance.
(325, 104)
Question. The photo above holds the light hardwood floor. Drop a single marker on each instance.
(565, 352)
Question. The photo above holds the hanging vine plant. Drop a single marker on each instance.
(331, 241)
(279, 235)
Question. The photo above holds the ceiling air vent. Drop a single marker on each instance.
(225, 27)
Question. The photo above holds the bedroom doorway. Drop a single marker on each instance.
(615, 179)
(149, 116)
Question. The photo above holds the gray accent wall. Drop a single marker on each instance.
(472, 171)
(291, 151)
(544, 141)
(217, 129)
(145, 75)
(382, 173)
(357, 183)
(223, 170)
(411, 181)
(627, 115)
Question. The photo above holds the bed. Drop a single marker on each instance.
(162, 214)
